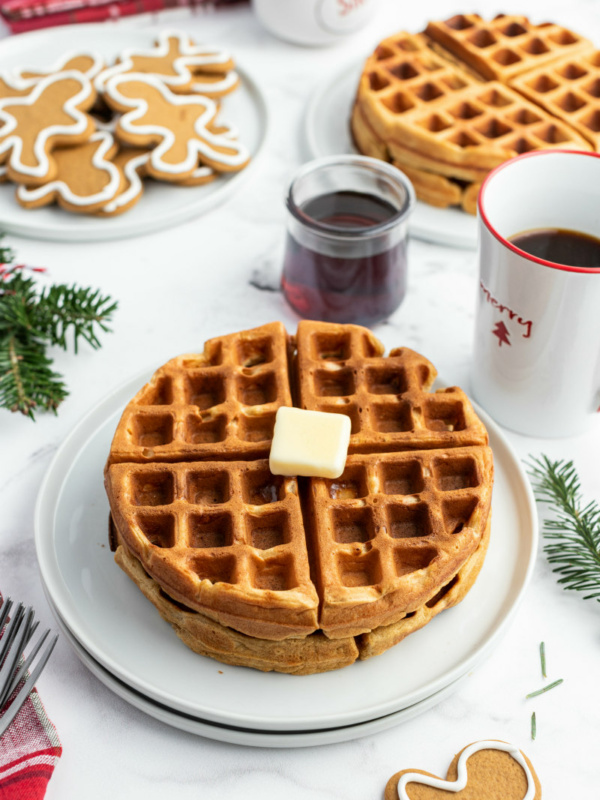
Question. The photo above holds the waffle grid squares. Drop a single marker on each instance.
(244, 548)
(569, 89)
(506, 45)
(493, 115)
(416, 104)
(386, 398)
(384, 508)
(237, 520)
(394, 529)
(220, 402)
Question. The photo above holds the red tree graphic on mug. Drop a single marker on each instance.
(501, 331)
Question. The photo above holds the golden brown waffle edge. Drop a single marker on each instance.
(427, 103)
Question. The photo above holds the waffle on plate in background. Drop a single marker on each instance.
(448, 105)
(298, 575)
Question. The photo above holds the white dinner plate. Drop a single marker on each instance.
(245, 736)
(123, 631)
(162, 205)
(327, 133)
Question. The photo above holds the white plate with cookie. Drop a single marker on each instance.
(162, 204)
(122, 631)
(327, 133)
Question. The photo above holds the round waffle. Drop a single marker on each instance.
(278, 569)
(459, 99)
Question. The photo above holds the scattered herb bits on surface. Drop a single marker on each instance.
(33, 318)
(545, 689)
(543, 659)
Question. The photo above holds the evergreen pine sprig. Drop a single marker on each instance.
(573, 533)
(32, 319)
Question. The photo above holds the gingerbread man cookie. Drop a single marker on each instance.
(34, 125)
(178, 126)
(176, 60)
(86, 178)
(132, 161)
(89, 64)
(216, 84)
(19, 81)
(11, 87)
(490, 769)
(203, 174)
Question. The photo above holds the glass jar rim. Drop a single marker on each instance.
(384, 169)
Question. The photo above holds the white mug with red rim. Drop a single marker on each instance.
(536, 365)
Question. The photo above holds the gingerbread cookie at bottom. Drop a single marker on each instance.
(487, 770)
(86, 178)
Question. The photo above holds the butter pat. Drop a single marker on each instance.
(309, 443)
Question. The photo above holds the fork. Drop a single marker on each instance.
(14, 668)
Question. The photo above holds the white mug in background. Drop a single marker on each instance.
(314, 22)
(536, 365)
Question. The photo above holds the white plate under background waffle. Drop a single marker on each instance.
(161, 206)
(327, 133)
(121, 630)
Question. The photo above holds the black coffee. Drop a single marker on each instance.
(571, 248)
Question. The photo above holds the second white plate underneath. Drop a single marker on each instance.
(327, 133)
(244, 736)
(122, 630)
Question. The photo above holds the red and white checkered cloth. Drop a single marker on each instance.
(27, 15)
(29, 751)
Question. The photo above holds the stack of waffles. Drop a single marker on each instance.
(298, 575)
(448, 105)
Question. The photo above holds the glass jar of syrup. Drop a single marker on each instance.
(345, 258)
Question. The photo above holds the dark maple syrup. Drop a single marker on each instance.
(560, 246)
(349, 278)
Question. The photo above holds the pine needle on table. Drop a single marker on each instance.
(573, 532)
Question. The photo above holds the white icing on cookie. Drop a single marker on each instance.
(135, 186)
(203, 146)
(192, 56)
(10, 138)
(461, 779)
(228, 132)
(8, 77)
(225, 84)
(202, 172)
(99, 161)
(97, 63)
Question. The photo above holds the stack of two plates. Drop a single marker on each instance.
(120, 637)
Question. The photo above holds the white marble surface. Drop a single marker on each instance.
(219, 273)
